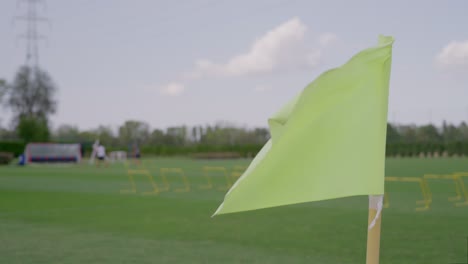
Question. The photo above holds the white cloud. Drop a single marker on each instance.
(327, 39)
(453, 54)
(172, 89)
(280, 48)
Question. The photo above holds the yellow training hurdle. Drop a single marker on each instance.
(422, 184)
(237, 171)
(164, 171)
(460, 176)
(456, 180)
(133, 189)
(165, 186)
(207, 170)
(460, 198)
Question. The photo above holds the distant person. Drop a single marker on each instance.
(81, 150)
(21, 160)
(93, 153)
(136, 154)
(101, 155)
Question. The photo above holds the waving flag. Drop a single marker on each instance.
(328, 142)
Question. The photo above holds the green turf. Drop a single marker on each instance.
(76, 214)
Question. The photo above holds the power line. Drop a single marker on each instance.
(32, 35)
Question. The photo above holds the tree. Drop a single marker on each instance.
(157, 137)
(463, 130)
(31, 93)
(67, 133)
(176, 135)
(7, 135)
(450, 133)
(2, 89)
(133, 131)
(428, 133)
(31, 99)
(392, 134)
(262, 135)
(105, 135)
(407, 133)
(33, 129)
(194, 134)
(88, 136)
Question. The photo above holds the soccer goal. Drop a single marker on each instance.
(52, 153)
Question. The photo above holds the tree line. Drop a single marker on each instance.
(220, 137)
(30, 97)
(402, 140)
(427, 140)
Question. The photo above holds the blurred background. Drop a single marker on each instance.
(184, 73)
(161, 105)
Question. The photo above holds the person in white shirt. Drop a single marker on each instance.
(101, 155)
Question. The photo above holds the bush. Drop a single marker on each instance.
(195, 150)
(5, 158)
(33, 129)
(217, 155)
(15, 147)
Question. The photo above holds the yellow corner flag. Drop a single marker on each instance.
(328, 142)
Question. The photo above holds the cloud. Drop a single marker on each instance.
(454, 54)
(172, 89)
(327, 39)
(283, 48)
(280, 48)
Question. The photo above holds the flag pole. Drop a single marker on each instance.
(373, 232)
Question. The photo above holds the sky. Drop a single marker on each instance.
(198, 62)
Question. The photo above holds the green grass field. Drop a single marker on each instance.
(77, 214)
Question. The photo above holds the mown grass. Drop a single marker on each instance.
(76, 214)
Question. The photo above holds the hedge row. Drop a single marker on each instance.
(5, 158)
(15, 147)
(243, 151)
(416, 149)
(392, 149)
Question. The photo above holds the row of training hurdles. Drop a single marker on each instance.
(164, 184)
(461, 198)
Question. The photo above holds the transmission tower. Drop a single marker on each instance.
(31, 35)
